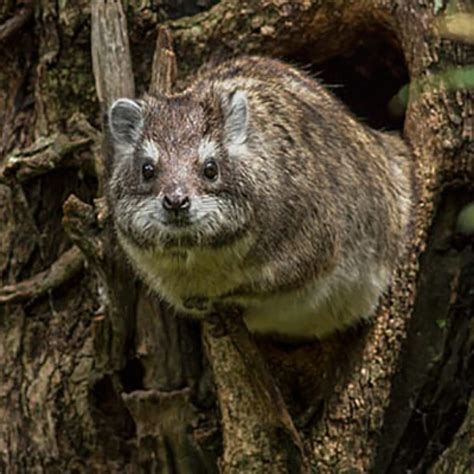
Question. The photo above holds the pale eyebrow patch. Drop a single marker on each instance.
(207, 149)
(149, 150)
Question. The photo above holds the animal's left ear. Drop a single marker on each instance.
(235, 109)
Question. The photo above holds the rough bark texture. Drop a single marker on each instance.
(98, 375)
(258, 433)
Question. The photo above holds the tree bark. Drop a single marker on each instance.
(99, 375)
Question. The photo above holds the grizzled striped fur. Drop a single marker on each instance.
(256, 187)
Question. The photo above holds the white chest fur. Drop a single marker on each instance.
(319, 308)
(181, 274)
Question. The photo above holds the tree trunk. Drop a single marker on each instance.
(98, 374)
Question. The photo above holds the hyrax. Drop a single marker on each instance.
(256, 188)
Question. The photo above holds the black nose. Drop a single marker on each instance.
(176, 202)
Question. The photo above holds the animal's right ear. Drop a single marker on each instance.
(126, 120)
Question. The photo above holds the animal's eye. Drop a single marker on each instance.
(210, 169)
(148, 171)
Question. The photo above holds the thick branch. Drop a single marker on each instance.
(275, 27)
(259, 435)
(68, 265)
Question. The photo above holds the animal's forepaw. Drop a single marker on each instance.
(222, 318)
(227, 310)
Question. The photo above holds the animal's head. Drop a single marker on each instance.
(178, 175)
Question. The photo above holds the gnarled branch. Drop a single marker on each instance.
(68, 265)
(58, 151)
(17, 21)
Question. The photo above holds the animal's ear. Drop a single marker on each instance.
(235, 109)
(126, 120)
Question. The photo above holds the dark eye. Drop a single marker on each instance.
(148, 171)
(210, 169)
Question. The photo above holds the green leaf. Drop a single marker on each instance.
(442, 323)
(438, 5)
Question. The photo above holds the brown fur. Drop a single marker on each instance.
(315, 204)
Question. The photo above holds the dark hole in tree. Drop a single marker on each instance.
(172, 9)
(112, 416)
(132, 375)
(365, 78)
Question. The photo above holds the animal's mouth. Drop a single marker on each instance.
(177, 222)
(179, 232)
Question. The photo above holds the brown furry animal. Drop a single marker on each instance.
(256, 187)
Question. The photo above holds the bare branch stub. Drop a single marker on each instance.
(164, 68)
(111, 63)
(165, 414)
(111, 58)
(80, 222)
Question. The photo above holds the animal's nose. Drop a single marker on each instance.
(176, 202)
